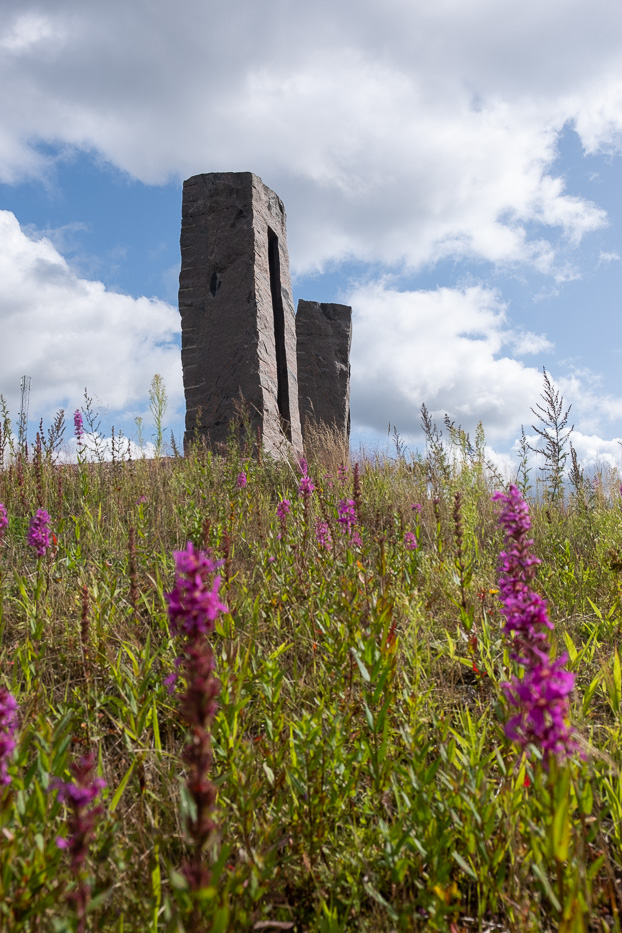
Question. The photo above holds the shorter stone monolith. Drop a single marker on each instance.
(323, 340)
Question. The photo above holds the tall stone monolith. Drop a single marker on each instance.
(237, 312)
(324, 337)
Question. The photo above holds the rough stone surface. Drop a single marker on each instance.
(324, 337)
(237, 311)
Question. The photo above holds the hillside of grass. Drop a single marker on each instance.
(364, 778)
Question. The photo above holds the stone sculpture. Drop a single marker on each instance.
(239, 341)
(323, 340)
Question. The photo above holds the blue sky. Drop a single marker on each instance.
(451, 172)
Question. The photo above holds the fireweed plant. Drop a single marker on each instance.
(39, 534)
(8, 728)
(4, 520)
(80, 795)
(283, 509)
(193, 607)
(356, 741)
(540, 696)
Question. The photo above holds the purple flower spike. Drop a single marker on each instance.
(39, 535)
(347, 515)
(8, 727)
(540, 697)
(78, 424)
(306, 487)
(79, 795)
(283, 508)
(410, 541)
(322, 535)
(241, 482)
(193, 604)
(4, 520)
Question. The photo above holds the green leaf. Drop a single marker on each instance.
(120, 789)
(561, 830)
(464, 865)
(362, 668)
(541, 874)
(156, 728)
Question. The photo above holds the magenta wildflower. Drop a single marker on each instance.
(78, 423)
(346, 516)
(283, 508)
(193, 607)
(80, 795)
(540, 697)
(4, 520)
(8, 727)
(410, 541)
(415, 507)
(322, 535)
(241, 482)
(347, 519)
(39, 535)
(194, 604)
(305, 487)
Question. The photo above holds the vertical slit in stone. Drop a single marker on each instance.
(279, 333)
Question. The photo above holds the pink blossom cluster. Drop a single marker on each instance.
(346, 516)
(193, 603)
(8, 727)
(541, 696)
(80, 795)
(410, 541)
(193, 607)
(322, 535)
(78, 424)
(282, 510)
(39, 535)
(306, 486)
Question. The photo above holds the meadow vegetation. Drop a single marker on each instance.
(363, 777)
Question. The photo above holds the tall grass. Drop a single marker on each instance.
(364, 780)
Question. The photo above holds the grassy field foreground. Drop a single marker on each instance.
(364, 779)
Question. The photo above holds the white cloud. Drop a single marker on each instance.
(442, 348)
(25, 31)
(69, 333)
(94, 448)
(606, 257)
(594, 451)
(395, 132)
(526, 342)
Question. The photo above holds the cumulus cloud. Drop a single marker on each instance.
(444, 348)
(395, 131)
(69, 333)
(96, 448)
